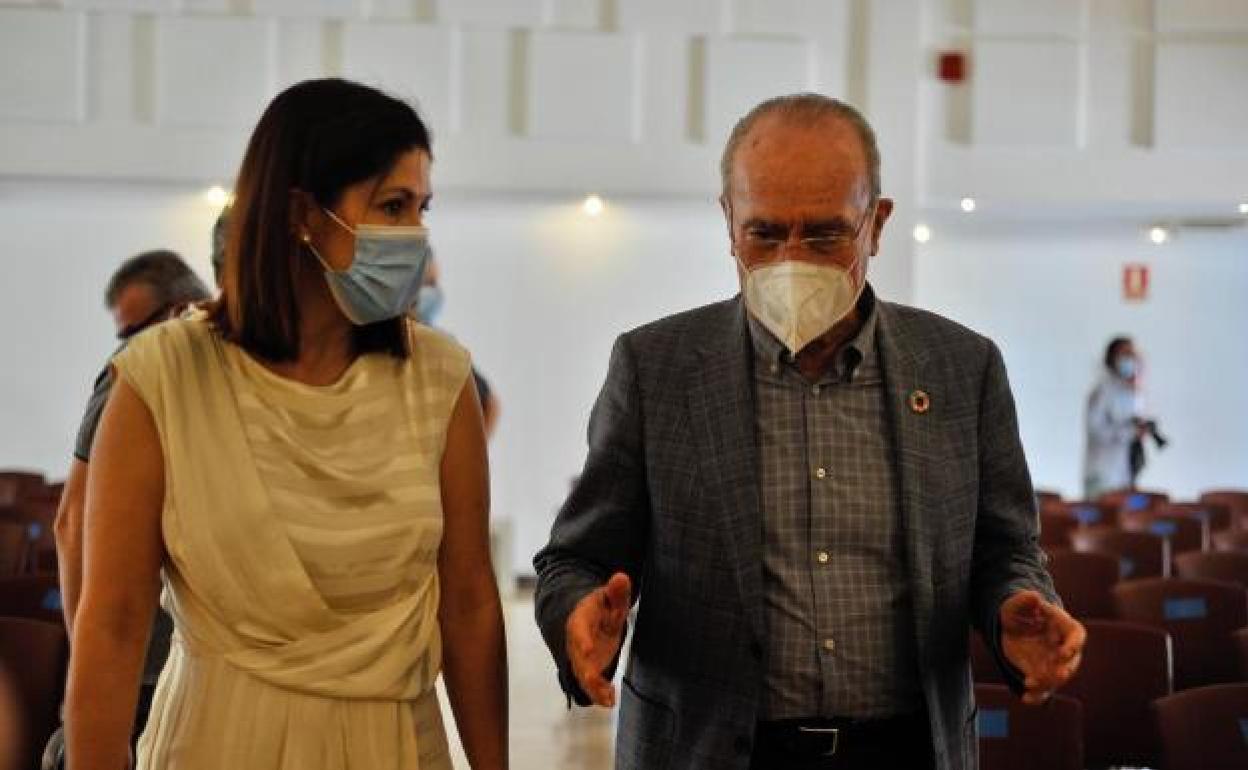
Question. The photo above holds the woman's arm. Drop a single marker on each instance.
(474, 650)
(123, 551)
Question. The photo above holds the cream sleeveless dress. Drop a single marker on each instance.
(302, 526)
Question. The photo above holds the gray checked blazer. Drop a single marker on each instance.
(670, 495)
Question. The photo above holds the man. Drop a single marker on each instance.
(815, 494)
(1114, 451)
(149, 288)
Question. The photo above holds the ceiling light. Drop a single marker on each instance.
(968, 205)
(593, 205)
(217, 196)
(1159, 235)
(1243, 208)
(922, 233)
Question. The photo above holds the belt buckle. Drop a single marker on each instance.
(835, 732)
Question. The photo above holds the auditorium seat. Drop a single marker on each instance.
(35, 654)
(1235, 499)
(1231, 540)
(1230, 567)
(1218, 515)
(1055, 528)
(1126, 666)
(1084, 580)
(37, 597)
(18, 485)
(1205, 728)
(1139, 554)
(1015, 736)
(1134, 499)
(1185, 533)
(1200, 616)
(1241, 644)
(14, 545)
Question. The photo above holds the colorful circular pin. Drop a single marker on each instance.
(920, 402)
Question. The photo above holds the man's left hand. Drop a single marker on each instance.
(1042, 641)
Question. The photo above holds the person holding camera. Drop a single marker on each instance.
(1114, 455)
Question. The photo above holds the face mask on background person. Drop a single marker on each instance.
(384, 278)
(429, 303)
(1126, 367)
(799, 301)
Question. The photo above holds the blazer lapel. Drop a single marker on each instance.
(722, 416)
(911, 408)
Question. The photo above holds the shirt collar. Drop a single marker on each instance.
(770, 350)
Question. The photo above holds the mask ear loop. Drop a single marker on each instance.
(307, 241)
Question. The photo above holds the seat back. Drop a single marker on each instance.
(1204, 728)
(1185, 533)
(1126, 666)
(1241, 644)
(1015, 736)
(37, 597)
(1227, 566)
(16, 486)
(1199, 615)
(1231, 540)
(1218, 515)
(35, 655)
(1055, 529)
(1084, 580)
(1234, 499)
(1134, 499)
(1139, 554)
(14, 545)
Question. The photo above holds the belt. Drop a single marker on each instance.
(826, 737)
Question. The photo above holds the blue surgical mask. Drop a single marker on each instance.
(429, 303)
(384, 278)
(1126, 367)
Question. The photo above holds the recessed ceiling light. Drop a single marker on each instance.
(217, 196)
(1243, 208)
(1159, 235)
(922, 233)
(968, 205)
(593, 205)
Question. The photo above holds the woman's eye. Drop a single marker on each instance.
(392, 208)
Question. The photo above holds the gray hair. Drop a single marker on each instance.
(172, 282)
(805, 109)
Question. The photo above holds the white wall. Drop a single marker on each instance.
(1050, 294)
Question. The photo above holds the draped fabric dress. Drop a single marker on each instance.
(302, 526)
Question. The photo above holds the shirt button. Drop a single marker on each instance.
(775, 368)
(820, 473)
(829, 644)
(823, 557)
(814, 390)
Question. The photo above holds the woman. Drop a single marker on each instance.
(308, 467)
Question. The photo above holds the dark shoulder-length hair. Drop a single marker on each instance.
(318, 136)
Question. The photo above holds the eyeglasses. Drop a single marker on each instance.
(765, 243)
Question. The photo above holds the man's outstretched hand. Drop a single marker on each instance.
(595, 630)
(1042, 641)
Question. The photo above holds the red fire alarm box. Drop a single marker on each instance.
(951, 66)
(1135, 282)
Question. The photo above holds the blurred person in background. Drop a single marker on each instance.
(429, 304)
(308, 467)
(1114, 451)
(145, 290)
